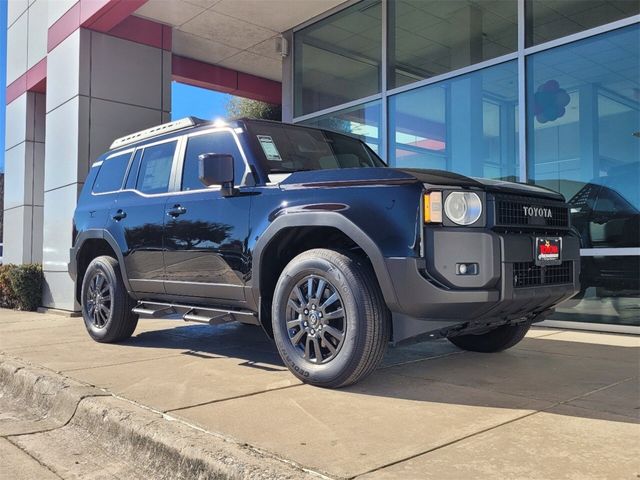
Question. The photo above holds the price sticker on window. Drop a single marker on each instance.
(269, 148)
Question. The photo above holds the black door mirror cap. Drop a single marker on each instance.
(217, 169)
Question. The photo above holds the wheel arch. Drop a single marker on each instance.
(91, 244)
(318, 221)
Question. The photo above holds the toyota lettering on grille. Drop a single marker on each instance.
(537, 212)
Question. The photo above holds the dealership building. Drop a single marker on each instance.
(538, 91)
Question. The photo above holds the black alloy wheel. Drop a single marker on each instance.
(316, 321)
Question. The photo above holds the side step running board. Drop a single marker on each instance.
(190, 313)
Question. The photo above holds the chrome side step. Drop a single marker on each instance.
(190, 313)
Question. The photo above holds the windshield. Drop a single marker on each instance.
(287, 148)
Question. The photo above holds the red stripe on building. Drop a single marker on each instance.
(103, 15)
(213, 77)
(146, 32)
(98, 15)
(63, 27)
(33, 80)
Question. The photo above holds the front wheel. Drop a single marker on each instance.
(496, 340)
(106, 305)
(330, 322)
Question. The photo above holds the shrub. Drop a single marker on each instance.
(21, 286)
(7, 296)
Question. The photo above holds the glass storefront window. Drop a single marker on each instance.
(362, 122)
(338, 60)
(431, 37)
(550, 19)
(466, 125)
(610, 292)
(583, 139)
(583, 135)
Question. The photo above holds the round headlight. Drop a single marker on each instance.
(463, 208)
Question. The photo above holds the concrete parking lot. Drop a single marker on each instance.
(562, 404)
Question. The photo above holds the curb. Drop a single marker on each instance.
(169, 447)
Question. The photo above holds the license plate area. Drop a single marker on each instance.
(548, 251)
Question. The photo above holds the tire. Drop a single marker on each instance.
(496, 340)
(350, 303)
(115, 322)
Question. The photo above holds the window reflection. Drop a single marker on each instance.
(338, 60)
(431, 37)
(362, 122)
(550, 19)
(467, 125)
(589, 149)
(610, 292)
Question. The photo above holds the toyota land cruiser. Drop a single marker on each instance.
(309, 234)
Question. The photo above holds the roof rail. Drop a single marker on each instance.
(157, 130)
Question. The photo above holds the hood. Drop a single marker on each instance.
(397, 176)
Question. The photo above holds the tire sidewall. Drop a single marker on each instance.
(349, 351)
(99, 265)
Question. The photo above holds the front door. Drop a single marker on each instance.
(205, 236)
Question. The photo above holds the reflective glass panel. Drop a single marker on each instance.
(431, 37)
(550, 19)
(583, 135)
(362, 122)
(467, 124)
(610, 292)
(217, 142)
(155, 168)
(111, 173)
(337, 60)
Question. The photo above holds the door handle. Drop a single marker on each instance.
(119, 215)
(176, 211)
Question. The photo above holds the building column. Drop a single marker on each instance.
(99, 87)
(24, 179)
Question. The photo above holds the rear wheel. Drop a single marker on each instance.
(106, 305)
(330, 322)
(496, 340)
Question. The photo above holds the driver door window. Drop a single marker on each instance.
(216, 142)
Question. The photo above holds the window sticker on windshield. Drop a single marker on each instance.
(269, 148)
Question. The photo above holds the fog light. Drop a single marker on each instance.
(467, 269)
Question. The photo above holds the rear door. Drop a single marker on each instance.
(205, 236)
(138, 215)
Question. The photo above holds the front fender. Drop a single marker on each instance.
(325, 219)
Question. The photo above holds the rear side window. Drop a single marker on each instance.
(216, 142)
(111, 173)
(155, 168)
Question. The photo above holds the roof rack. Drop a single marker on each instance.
(157, 130)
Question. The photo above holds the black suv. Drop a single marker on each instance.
(309, 234)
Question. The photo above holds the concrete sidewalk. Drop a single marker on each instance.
(562, 404)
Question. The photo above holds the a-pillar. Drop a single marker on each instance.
(99, 87)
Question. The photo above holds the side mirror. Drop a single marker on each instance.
(217, 169)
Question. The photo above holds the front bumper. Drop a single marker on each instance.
(429, 289)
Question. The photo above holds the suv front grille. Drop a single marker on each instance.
(528, 274)
(510, 211)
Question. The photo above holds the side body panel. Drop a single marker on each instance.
(205, 247)
(139, 235)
